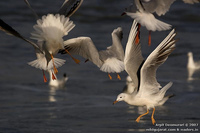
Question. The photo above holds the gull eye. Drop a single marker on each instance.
(120, 97)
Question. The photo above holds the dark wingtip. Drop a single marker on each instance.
(172, 95)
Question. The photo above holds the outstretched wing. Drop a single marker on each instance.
(9, 30)
(69, 7)
(84, 47)
(191, 1)
(116, 48)
(158, 6)
(133, 56)
(33, 11)
(149, 84)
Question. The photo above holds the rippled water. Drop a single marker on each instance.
(85, 104)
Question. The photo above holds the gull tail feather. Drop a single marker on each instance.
(52, 27)
(149, 21)
(41, 63)
(165, 99)
(164, 89)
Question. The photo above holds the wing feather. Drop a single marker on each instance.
(149, 84)
(133, 56)
(9, 30)
(116, 47)
(84, 47)
(69, 7)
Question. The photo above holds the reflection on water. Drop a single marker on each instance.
(52, 94)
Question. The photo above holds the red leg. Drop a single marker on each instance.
(149, 41)
(44, 77)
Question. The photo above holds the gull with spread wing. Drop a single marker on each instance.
(109, 60)
(50, 30)
(43, 63)
(142, 11)
(143, 73)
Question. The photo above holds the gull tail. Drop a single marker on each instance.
(41, 63)
(164, 89)
(149, 21)
(52, 27)
(165, 99)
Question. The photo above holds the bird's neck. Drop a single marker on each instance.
(190, 61)
(130, 98)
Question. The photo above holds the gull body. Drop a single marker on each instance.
(48, 45)
(109, 60)
(147, 90)
(192, 66)
(49, 33)
(58, 83)
(191, 63)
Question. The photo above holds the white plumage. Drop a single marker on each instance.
(146, 91)
(149, 21)
(112, 65)
(58, 83)
(49, 32)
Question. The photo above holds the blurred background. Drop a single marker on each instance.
(27, 104)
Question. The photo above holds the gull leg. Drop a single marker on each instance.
(44, 77)
(149, 41)
(118, 76)
(53, 76)
(109, 76)
(76, 60)
(152, 118)
(54, 67)
(138, 119)
(137, 40)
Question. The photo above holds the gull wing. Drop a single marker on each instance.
(158, 6)
(33, 11)
(9, 30)
(69, 7)
(191, 1)
(84, 47)
(116, 48)
(149, 84)
(133, 56)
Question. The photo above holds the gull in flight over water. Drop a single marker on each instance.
(142, 11)
(48, 32)
(143, 73)
(51, 25)
(48, 43)
(109, 60)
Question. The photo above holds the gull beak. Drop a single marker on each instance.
(124, 13)
(115, 102)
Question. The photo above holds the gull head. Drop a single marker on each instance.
(189, 54)
(120, 97)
